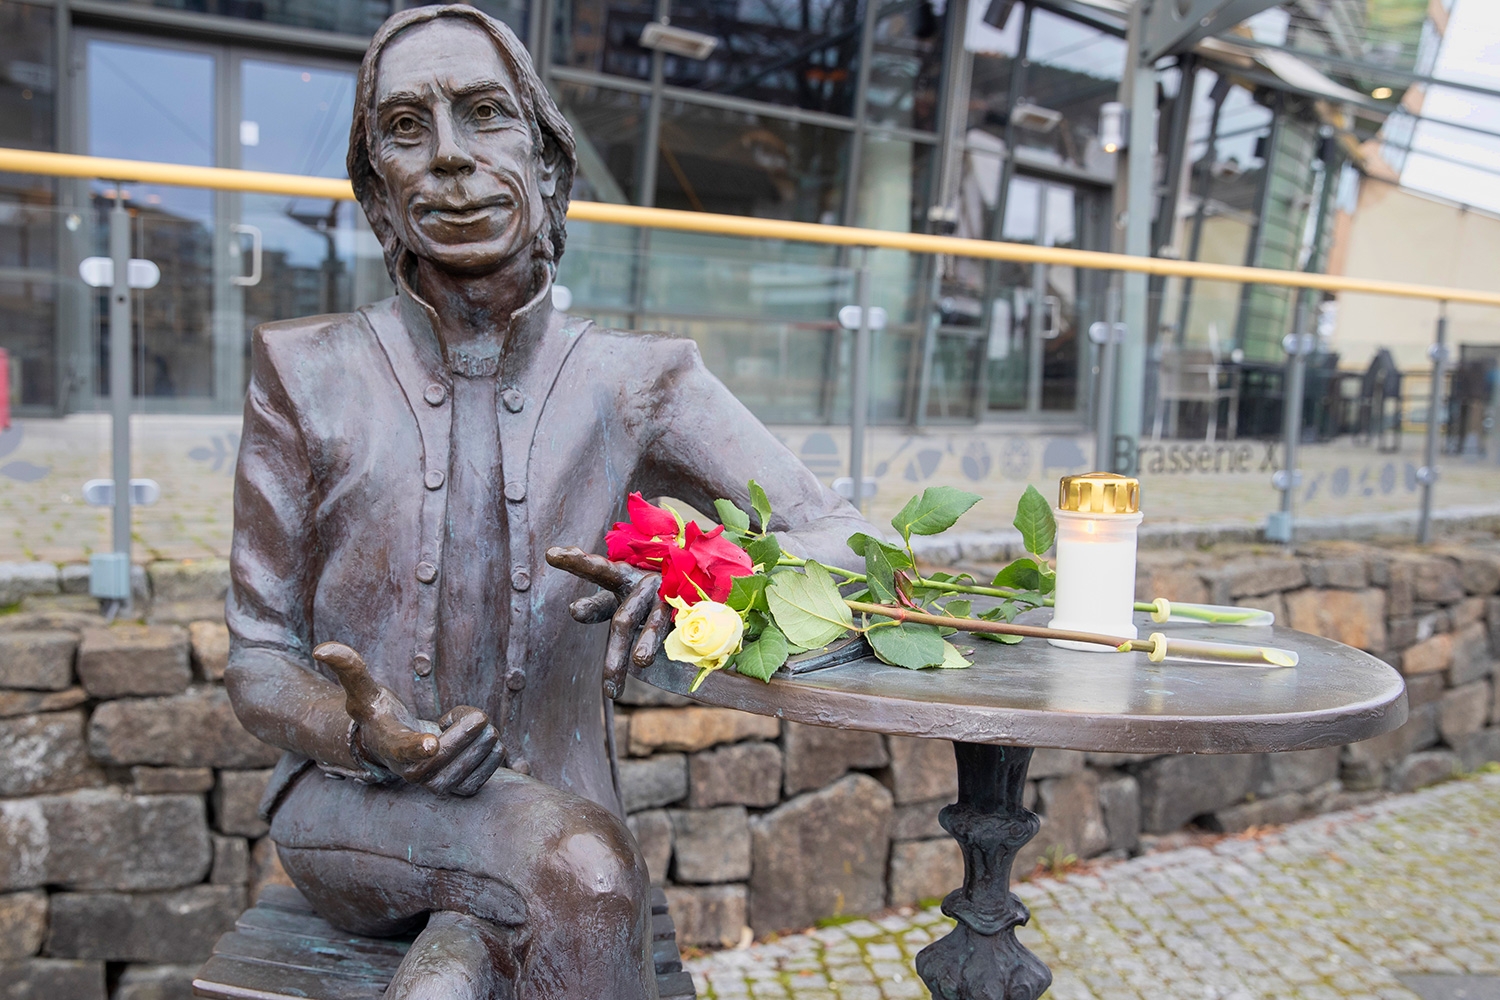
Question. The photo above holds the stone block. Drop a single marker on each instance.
(1353, 617)
(821, 854)
(695, 728)
(156, 982)
(639, 694)
(1100, 759)
(231, 861)
(655, 781)
(14, 703)
(1120, 800)
(817, 755)
(917, 820)
(1274, 603)
(920, 769)
(621, 732)
(1364, 765)
(1467, 612)
(1424, 688)
(652, 830)
(209, 643)
(1492, 621)
(1049, 763)
(1400, 587)
(103, 839)
(1427, 767)
(1480, 748)
(1176, 789)
(1402, 632)
(924, 869)
(23, 923)
(73, 578)
(1428, 657)
(171, 780)
(20, 580)
(1437, 580)
(51, 979)
(177, 927)
(743, 774)
(1297, 771)
(265, 867)
(1175, 583)
(711, 915)
(1472, 659)
(1495, 706)
(129, 659)
(185, 590)
(1463, 712)
(45, 753)
(37, 661)
(1343, 572)
(197, 728)
(1252, 577)
(1274, 811)
(710, 845)
(1074, 816)
(237, 803)
(1478, 572)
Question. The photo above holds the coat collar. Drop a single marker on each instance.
(510, 353)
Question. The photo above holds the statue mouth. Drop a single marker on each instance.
(469, 212)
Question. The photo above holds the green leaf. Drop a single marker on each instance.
(1049, 579)
(1022, 574)
(958, 608)
(880, 574)
(1009, 640)
(762, 505)
(732, 517)
(953, 657)
(937, 509)
(807, 607)
(907, 645)
(1035, 521)
(764, 551)
(748, 593)
(861, 544)
(763, 657)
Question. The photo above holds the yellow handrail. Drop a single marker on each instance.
(23, 161)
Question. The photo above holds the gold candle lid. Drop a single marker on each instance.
(1099, 493)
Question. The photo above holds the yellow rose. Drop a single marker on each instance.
(707, 635)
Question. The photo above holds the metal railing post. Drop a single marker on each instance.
(1427, 475)
(120, 343)
(859, 389)
(1298, 345)
(1107, 336)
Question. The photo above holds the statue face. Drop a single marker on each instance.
(453, 145)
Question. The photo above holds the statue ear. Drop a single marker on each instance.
(548, 166)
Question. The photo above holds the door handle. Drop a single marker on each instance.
(253, 278)
(1052, 321)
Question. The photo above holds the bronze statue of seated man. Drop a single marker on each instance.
(403, 470)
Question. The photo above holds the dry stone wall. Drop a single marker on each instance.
(129, 839)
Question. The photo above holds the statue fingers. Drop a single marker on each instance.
(595, 608)
(594, 568)
(622, 632)
(361, 693)
(466, 724)
(653, 634)
(482, 772)
(461, 768)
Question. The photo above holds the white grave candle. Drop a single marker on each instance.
(1097, 517)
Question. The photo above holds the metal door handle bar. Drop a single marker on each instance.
(253, 278)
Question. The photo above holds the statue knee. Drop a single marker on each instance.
(596, 860)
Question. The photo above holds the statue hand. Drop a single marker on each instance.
(454, 757)
(639, 620)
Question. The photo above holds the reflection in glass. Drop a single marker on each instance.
(993, 52)
(907, 65)
(607, 129)
(603, 36)
(1072, 69)
(714, 160)
(349, 17)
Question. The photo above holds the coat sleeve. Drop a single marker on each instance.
(705, 444)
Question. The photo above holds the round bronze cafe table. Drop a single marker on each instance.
(1018, 697)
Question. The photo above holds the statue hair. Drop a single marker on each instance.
(550, 132)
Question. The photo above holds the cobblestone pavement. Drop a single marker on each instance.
(1335, 906)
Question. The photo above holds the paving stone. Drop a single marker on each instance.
(1176, 789)
(925, 870)
(652, 830)
(171, 780)
(1120, 800)
(1424, 768)
(14, 703)
(231, 861)
(1049, 763)
(695, 728)
(817, 755)
(920, 770)
(20, 580)
(1428, 657)
(709, 914)
(745, 774)
(103, 839)
(1463, 711)
(1437, 580)
(209, 643)
(710, 845)
(45, 753)
(23, 923)
(51, 979)
(654, 781)
(129, 659)
(822, 853)
(917, 820)
(156, 982)
(1353, 617)
(177, 927)
(1075, 820)
(196, 728)
(1297, 770)
(237, 802)
(41, 660)
(1472, 658)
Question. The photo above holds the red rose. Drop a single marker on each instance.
(645, 540)
(704, 568)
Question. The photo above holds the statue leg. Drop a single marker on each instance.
(556, 880)
(456, 957)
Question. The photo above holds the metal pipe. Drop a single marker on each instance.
(120, 338)
(859, 389)
(1428, 474)
(1104, 434)
(1298, 344)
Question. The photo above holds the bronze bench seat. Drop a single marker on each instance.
(281, 950)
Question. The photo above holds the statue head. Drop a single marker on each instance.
(457, 153)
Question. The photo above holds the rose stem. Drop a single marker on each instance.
(1000, 628)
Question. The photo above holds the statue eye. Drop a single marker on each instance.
(405, 126)
(487, 111)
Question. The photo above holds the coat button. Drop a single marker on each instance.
(515, 680)
(434, 479)
(513, 400)
(520, 578)
(434, 394)
(426, 571)
(515, 492)
(421, 664)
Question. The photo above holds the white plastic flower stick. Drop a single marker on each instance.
(1163, 610)
(1200, 651)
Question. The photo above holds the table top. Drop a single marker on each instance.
(1038, 695)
